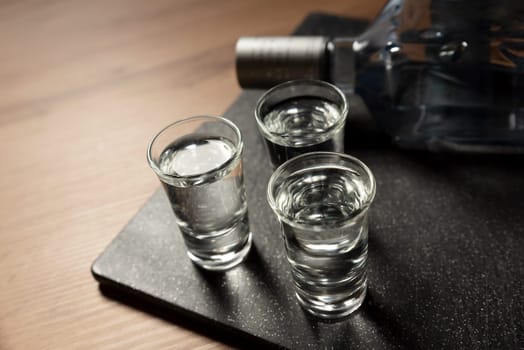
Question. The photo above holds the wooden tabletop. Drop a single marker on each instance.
(84, 85)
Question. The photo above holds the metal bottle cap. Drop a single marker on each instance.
(262, 62)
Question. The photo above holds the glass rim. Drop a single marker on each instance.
(282, 168)
(304, 82)
(205, 176)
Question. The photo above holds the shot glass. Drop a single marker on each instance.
(321, 200)
(198, 161)
(301, 116)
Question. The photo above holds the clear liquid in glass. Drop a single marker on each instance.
(302, 125)
(326, 237)
(209, 204)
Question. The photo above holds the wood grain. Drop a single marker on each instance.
(83, 87)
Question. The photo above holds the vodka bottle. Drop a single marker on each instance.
(440, 74)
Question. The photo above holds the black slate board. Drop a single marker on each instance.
(446, 252)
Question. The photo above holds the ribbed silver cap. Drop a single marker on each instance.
(262, 62)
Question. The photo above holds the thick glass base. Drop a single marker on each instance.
(222, 262)
(335, 310)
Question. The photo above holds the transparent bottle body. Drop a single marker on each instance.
(446, 74)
